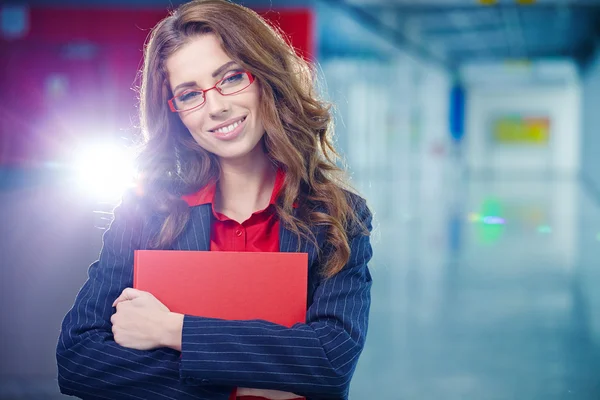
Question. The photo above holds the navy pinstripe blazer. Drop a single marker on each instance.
(316, 359)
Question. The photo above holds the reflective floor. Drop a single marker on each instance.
(484, 288)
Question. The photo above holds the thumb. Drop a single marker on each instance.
(127, 294)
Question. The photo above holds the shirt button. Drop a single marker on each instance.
(238, 232)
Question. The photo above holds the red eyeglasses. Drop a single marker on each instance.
(194, 98)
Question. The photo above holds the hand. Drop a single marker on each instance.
(144, 323)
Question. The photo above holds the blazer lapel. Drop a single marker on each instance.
(196, 236)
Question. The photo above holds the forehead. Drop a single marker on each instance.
(196, 61)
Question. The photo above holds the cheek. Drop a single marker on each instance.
(192, 121)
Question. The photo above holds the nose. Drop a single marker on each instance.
(216, 104)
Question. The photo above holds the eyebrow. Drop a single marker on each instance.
(217, 72)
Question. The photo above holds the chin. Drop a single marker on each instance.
(233, 152)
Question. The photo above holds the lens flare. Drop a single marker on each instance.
(104, 170)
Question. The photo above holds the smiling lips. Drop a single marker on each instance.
(229, 127)
(229, 131)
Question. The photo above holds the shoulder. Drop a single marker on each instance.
(134, 208)
(356, 201)
(129, 217)
(359, 213)
(362, 218)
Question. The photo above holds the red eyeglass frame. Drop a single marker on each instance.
(204, 91)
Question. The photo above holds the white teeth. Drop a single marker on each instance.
(229, 128)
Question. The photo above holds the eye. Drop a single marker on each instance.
(189, 96)
(234, 78)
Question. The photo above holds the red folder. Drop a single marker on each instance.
(226, 285)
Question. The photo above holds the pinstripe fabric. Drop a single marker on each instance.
(316, 359)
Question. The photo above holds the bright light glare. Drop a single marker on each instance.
(105, 171)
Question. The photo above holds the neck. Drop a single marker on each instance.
(245, 185)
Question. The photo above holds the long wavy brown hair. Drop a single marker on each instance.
(297, 123)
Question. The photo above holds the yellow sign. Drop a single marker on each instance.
(522, 130)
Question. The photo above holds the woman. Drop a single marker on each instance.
(237, 158)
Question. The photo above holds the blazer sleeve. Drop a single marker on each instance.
(316, 359)
(91, 365)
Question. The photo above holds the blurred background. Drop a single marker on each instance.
(470, 126)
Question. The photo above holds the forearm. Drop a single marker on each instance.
(314, 359)
(95, 366)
